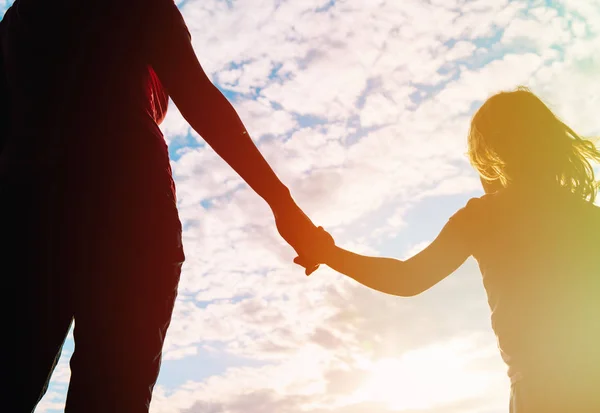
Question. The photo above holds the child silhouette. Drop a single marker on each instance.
(535, 235)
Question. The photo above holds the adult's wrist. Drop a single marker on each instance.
(280, 200)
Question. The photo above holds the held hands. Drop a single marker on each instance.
(323, 246)
(299, 231)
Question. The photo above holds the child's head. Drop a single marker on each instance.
(515, 137)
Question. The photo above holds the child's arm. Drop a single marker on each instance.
(404, 278)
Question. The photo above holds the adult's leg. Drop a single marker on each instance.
(35, 296)
(124, 303)
(119, 334)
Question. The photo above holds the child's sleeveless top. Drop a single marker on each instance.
(538, 256)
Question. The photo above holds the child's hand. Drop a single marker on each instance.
(322, 248)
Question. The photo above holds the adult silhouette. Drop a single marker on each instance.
(535, 234)
(90, 229)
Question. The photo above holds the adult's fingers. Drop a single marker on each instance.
(309, 266)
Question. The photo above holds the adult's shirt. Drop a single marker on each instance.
(80, 86)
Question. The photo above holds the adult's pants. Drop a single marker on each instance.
(106, 254)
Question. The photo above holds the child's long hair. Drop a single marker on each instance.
(514, 135)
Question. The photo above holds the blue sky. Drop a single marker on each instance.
(362, 107)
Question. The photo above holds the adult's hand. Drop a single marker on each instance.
(296, 228)
(325, 245)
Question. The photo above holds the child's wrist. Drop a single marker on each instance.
(329, 254)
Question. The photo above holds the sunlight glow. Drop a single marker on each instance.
(424, 379)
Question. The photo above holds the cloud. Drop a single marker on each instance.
(52, 401)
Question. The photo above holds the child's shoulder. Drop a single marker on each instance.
(475, 207)
(481, 202)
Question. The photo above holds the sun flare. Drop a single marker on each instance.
(423, 379)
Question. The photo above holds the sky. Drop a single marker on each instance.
(362, 107)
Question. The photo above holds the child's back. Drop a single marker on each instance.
(538, 257)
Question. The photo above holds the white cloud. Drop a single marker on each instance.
(174, 125)
(52, 401)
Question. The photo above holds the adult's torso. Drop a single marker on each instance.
(76, 73)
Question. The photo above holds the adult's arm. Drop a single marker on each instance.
(206, 109)
(211, 115)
